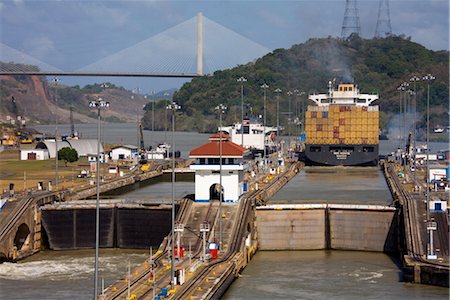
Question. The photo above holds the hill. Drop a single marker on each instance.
(376, 65)
(37, 100)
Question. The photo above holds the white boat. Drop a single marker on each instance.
(254, 135)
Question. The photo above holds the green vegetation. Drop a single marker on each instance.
(68, 155)
(376, 65)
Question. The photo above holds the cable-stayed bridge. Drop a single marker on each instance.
(192, 48)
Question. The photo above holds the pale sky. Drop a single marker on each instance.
(73, 34)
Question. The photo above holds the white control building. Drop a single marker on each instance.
(207, 169)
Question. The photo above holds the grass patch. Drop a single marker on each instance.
(13, 171)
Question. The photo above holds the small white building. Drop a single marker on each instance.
(207, 169)
(436, 173)
(125, 152)
(438, 205)
(104, 158)
(34, 154)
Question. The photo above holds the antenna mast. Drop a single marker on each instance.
(351, 22)
(384, 28)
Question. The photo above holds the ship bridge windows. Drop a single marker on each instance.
(361, 100)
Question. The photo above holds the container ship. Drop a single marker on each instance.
(342, 128)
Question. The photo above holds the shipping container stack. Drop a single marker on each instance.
(342, 125)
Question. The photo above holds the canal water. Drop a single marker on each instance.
(270, 275)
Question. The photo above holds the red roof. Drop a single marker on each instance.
(212, 148)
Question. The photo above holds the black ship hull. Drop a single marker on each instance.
(341, 155)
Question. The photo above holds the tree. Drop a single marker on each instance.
(68, 155)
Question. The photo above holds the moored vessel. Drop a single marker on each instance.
(342, 128)
(252, 135)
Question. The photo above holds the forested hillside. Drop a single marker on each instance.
(376, 65)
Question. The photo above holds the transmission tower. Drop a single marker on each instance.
(384, 20)
(351, 20)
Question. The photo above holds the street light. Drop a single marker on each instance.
(241, 80)
(290, 94)
(401, 89)
(98, 104)
(264, 87)
(428, 78)
(302, 112)
(55, 81)
(221, 109)
(278, 91)
(173, 107)
(414, 79)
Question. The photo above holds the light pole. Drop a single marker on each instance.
(55, 81)
(428, 78)
(173, 107)
(405, 111)
(221, 109)
(401, 89)
(302, 108)
(414, 79)
(264, 87)
(99, 104)
(278, 91)
(241, 80)
(290, 94)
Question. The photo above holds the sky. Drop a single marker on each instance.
(71, 34)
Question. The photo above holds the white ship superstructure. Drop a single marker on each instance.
(255, 135)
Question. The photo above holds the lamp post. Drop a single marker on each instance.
(428, 78)
(221, 109)
(241, 80)
(409, 130)
(401, 88)
(98, 104)
(55, 81)
(278, 91)
(290, 94)
(302, 108)
(173, 107)
(414, 79)
(264, 87)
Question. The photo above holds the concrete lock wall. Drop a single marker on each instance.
(291, 229)
(119, 227)
(361, 230)
(308, 229)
